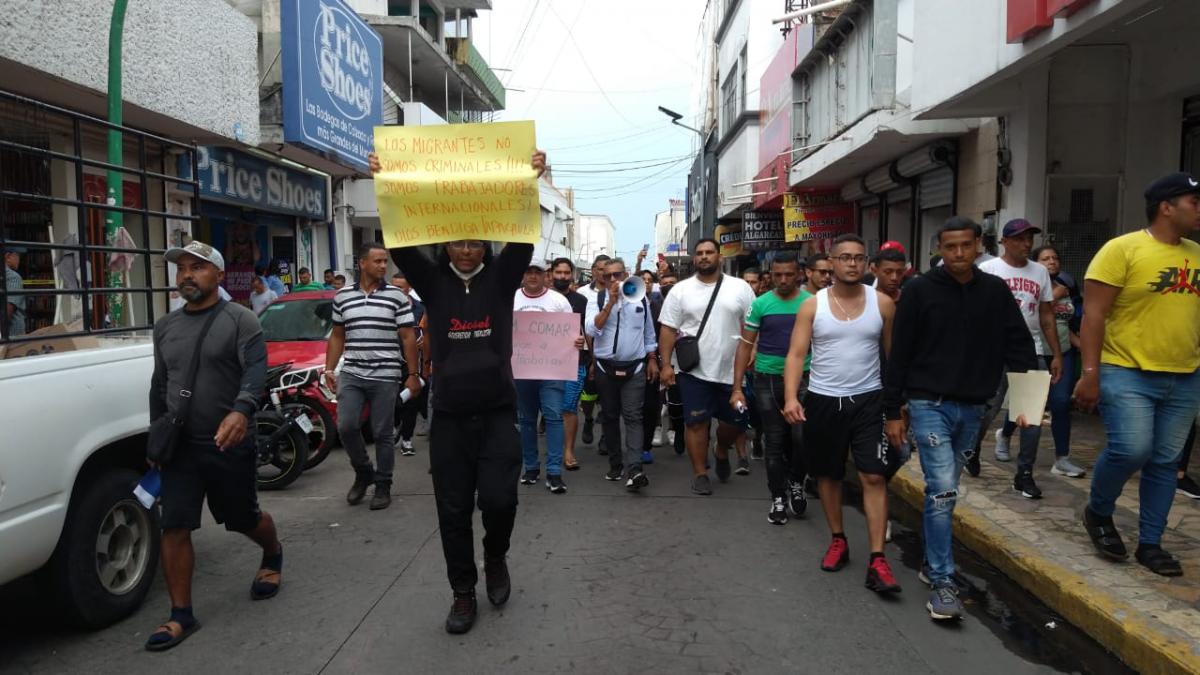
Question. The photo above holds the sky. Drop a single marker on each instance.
(591, 75)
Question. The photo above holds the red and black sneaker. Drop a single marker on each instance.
(880, 578)
(837, 556)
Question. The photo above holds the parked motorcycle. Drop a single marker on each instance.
(281, 435)
(301, 391)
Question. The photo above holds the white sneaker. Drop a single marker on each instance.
(1065, 467)
(406, 448)
(671, 437)
(1002, 453)
(658, 438)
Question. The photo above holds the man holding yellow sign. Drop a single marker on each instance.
(468, 292)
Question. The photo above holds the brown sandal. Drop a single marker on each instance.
(153, 645)
(266, 584)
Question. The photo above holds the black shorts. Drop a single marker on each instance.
(226, 478)
(836, 426)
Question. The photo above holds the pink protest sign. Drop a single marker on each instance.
(544, 346)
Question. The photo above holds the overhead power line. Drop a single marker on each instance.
(586, 65)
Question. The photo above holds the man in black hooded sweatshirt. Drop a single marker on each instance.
(954, 334)
(474, 446)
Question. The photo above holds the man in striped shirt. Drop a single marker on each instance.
(367, 316)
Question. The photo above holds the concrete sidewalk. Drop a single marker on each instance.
(1151, 622)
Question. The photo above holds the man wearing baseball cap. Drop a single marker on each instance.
(215, 457)
(14, 304)
(1141, 352)
(1033, 291)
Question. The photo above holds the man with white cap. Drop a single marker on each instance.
(215, 456)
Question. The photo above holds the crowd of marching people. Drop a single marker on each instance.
(845, 357)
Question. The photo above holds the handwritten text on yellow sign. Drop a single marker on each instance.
(457, 181)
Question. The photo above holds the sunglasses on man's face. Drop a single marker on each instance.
(618, 276)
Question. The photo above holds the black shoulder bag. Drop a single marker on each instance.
(687, 348)
(166, 430)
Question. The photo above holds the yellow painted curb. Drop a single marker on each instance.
(1128, 632)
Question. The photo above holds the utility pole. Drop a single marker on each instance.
(113, 220)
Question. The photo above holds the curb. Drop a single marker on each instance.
(1131, 634)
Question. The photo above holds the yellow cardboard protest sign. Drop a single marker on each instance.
(457, 181)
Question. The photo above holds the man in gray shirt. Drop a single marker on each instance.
(216, 455)
(14, 309)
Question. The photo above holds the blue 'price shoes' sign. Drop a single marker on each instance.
(332, 79)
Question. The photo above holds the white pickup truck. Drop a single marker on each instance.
(72, 447)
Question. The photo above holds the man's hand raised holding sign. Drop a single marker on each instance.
(474, 447)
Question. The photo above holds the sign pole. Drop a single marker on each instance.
(113, 220)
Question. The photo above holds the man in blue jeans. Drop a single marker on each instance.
(955, 333)
(1141, 351)
(543, 395)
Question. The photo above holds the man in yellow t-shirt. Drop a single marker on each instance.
(1140, 340)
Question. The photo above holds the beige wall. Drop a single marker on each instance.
(977, 171)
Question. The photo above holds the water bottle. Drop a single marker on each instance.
(148, 488)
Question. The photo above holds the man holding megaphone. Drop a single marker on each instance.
(625, 348)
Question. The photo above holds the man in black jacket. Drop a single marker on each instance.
(474, 446)
(956, 331)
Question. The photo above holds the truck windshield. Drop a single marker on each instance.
(297, 320)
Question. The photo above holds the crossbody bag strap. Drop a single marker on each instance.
(711, 302)
(189, 384)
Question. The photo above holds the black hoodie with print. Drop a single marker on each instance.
(953, 341)
(469, 325)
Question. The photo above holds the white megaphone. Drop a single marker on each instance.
(634, 289)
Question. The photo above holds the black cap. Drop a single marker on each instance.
(1171, 186)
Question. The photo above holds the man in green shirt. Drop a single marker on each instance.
(768, 327)
(304, 276)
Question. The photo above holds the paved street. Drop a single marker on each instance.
(603, 582)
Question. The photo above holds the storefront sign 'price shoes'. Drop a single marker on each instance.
(460, 181)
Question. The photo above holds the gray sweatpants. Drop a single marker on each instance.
(353, 394)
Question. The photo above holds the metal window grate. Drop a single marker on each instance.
(25, 124)
(1083, 205)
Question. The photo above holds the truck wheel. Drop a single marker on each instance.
(108, 552)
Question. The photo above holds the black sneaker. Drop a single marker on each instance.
(1104, 535)
(1188, 487)
(636, 482)
(973, 467)
(588, 437)
(602, 446)
(382, 497)
(701, 485)
(615, 474)
(778, 513)
(743, 466)
(499, 585)
(723, 469)
(556, 485)
(530, 477)
(1024, 484)
(462, 613)
(797, 503)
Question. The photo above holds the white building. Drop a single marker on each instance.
(557, 206)
(1093, 100)
(596, 235)
(736, 42)
(670, 232)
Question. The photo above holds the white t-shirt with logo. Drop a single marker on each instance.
(684, 308)
(548, 301)
(1030, 285)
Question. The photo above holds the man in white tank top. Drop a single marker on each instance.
(842, 412)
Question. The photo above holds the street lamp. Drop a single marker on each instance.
(675, 117)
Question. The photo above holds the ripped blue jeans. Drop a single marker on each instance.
(944, 434)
